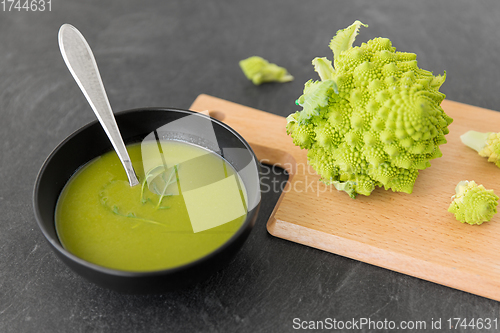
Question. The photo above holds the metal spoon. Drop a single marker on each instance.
(81, 63)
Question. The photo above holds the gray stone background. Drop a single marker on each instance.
(165, 53)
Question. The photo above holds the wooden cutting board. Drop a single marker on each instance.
(409, 233)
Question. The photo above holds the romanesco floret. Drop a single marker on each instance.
(472, 203)
(373, 120)
(259, 70)
(486, 144)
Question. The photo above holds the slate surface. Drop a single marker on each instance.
(165, 53)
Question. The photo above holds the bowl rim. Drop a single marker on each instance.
(137, 274)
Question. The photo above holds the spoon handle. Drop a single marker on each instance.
(81, 63)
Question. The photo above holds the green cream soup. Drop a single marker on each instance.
(190, 202)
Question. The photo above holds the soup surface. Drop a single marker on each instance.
(190, 202)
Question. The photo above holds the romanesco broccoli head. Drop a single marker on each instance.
(472, 203)
(486, 144)
(374, 118)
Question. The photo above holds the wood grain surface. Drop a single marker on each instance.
(409, 233)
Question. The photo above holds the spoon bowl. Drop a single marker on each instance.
(80, 60)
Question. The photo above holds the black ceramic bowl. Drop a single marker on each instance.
(91, 141)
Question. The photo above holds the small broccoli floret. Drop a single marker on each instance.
(472, 203)
(373, 119)
(486, 144)
(259, 70)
